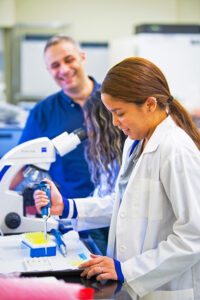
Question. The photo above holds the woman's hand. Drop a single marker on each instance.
(41, 199)
(102, 265)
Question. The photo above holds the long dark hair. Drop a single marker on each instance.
(135, 79)
(103, 150)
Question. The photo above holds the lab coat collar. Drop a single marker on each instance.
(159, 134)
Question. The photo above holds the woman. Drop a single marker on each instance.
(154, 238)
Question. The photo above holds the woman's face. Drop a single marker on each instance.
(132, 119)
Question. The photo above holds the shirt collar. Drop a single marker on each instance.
(70, 100)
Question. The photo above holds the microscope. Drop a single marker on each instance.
(35, 156)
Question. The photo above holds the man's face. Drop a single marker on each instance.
(66, 65)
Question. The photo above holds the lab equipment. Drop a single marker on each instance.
(12, 115)
(38, 245)
(13, 253)
(45, 210)
(61, 244)
(42, 288)
(32, 175)
(37, 264)
(38, 153)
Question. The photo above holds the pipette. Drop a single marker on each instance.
(45, 210)
(61, 244)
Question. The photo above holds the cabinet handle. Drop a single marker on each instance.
(5, 136)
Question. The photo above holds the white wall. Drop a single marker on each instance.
(99, 20)
(102, 20)
(7, 13)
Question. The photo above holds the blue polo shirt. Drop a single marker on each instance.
(49, 118)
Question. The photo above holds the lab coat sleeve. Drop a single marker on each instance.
(93, 212)
(181, 250)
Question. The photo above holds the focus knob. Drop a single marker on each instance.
(12, 220)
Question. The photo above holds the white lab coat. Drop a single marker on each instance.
(155, 232)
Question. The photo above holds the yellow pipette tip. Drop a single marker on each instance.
(36, 237)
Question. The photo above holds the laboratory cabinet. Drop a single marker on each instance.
(175, 49)
(2, 75)
(9, 137)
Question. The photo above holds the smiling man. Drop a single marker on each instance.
(65, 62)
(62, 111)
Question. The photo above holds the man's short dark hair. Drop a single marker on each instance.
(56, 39)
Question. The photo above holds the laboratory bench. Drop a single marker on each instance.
(106, 289)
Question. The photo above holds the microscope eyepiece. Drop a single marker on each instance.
(65, 142)
(81, 133)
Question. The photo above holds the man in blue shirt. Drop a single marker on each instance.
(62, 111)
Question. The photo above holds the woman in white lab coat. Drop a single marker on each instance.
(154, 238)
